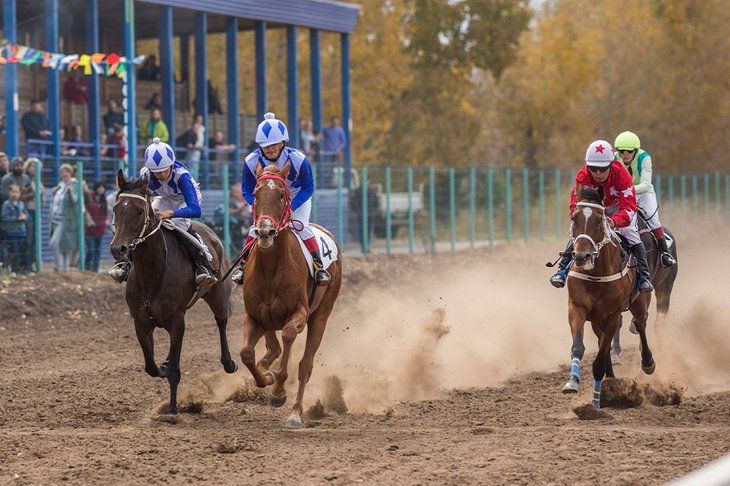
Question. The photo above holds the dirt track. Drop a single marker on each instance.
(442, 386)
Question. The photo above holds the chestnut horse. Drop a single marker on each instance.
(161, 281)
(279, 293)
(600, 285)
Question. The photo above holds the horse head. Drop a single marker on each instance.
(132, 215)
(589, 228)
(272, 203)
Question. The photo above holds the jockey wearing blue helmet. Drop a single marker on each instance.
(271, 136)
(176, 197)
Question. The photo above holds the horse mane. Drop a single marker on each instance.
(591, 195)
(271, 169)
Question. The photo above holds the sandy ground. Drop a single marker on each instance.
(434, 369)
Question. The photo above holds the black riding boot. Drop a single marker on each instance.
(666, 258)
(204, 275)
(642, 268)
(321, 276)
(237, 275)
(558, 280)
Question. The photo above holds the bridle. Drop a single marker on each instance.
(148, 208)
(285, 215)
(609, 235)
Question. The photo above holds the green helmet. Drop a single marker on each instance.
(627, 141)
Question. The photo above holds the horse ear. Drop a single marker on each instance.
(578, 190)
(121, 181)
(284, 172)
(259, 170)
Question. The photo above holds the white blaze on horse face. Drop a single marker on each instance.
(587, 212)
(271, 185)
(263, 228)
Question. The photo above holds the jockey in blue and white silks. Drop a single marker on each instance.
(271, 136)
(176, 196)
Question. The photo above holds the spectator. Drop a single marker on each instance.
(18, 178)
(76, 88)
(155, 102)
(193, 140)
(333, 137)
(119, 141)
(4, 165)
(35, 123)
(150, 70)
(97, 207)
(214, 101)
(216, 145)
(3, 125)
(154, 127)
(14, 217)
(103, 145)
(306, 137)
(64, 224)
(29, 168)
(75, 142)
(114, 115)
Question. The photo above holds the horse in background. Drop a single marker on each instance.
(161, 282)
(279, 293)
(600, 285)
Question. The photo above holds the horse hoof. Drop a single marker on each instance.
(275, 401)
(649, 369)
(162, 371)
(615, 359)
(632, 328)
(294, 423)
(230, 367)
(571, 386)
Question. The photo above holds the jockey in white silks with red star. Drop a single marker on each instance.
(271, 137)
(176, 196)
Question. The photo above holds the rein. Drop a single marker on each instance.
(141, 237)
(286, 214)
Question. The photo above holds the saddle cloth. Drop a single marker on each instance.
(327, 249)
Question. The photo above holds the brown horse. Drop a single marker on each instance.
(600, 284)
(280, 295)
(161, 281)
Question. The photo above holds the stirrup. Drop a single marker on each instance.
(667, 260)
(237, 275)
(558, 280)
(119, 271)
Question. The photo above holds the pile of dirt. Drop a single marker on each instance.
(623, 393)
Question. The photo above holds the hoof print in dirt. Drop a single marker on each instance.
(589, 412)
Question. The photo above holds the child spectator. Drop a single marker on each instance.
(14, 217)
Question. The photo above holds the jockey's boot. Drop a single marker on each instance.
(237, 275)
(558, 280)
(321, 276)
(204, 274)
(642, 268)
(666, 258)
(119, 271)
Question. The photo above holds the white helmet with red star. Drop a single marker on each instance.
(599, 154)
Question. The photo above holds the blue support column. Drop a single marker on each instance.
(167, 71)
(261, 89)
(346, 103)
(92, 45)
(54, 97)
(315, 69)
(232, 91)
(292, 85)
(130, 81)
(10, 32)
(201, 85)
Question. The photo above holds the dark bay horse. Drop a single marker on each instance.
(280, 295)
(600, 285)
(662, 278)
(161, 281)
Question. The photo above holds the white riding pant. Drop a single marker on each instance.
(630, 232)
(302, 215)
(162, 203)
(648, 204)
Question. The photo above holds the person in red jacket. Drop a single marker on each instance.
(603, 172)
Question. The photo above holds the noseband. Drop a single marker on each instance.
(285, 215)
(142, 237)
(609, 235)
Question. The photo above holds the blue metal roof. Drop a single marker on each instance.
(316, 14)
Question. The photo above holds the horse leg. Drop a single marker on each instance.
(177, 331)
(639, 309)
(252, 332)
(315, 332)
(577, 321)
(228, 364)
(277, 396)
(616, 344)
(146, 342)
(273, 351)
(604, 330)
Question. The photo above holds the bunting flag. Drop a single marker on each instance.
(111, 64)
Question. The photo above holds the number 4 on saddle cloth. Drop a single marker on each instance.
(327, 248)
